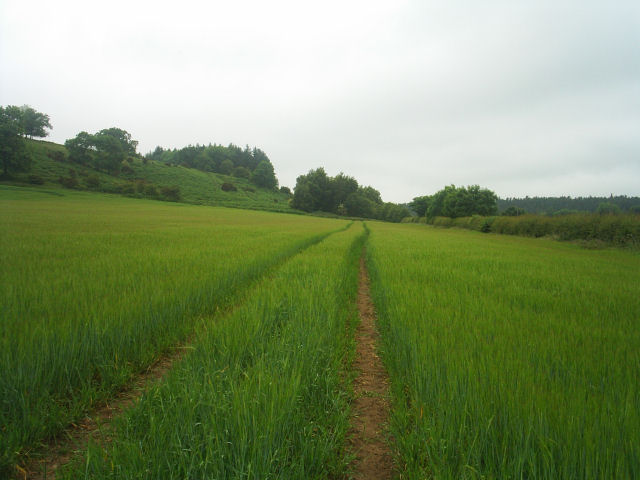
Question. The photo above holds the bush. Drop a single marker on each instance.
(150, 190)
(35, 180)
(171, 194)
(57, 155)
(92, 181)
(127, 188)
(229, 187)
(68, 182)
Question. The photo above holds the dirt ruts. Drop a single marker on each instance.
(371, 390)
(97, 424)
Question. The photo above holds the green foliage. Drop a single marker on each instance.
(264, 176)
(341, 195)
(105, 150)
(455, 202)
(34, 123)
(608, 208)
(513, 211)
(508, 358)
(226, 167)
(420, 205)
(214, 158)
(286, 190)
(551, 205)
(242, 172)
(12, 147)
(621, 230)
(229, 187)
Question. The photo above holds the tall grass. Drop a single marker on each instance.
(261, 396)
(508, 358)
(95, 288)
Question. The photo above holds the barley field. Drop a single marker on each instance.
(508, 357)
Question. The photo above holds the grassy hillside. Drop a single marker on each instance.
(145, 179)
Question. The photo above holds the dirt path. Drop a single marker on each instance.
(97, 424)
(371, 405)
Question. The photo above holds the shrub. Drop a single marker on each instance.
(36, 180)
(171, 194)
(68, 182)
(127, 188)
(229, 187)
(57, 155)
(150, 190)
(92, 181)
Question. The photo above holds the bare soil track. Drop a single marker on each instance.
(97, 424)
(371, 390)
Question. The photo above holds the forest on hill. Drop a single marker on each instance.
(565, 204)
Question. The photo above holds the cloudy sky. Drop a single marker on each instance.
(531, 97)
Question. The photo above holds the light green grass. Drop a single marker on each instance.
(262, 395)
(95, 287)
(196, 187)
(509, 357)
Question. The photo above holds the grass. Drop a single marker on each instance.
(262, 394)
(509, 358)
(96, 287)
(196, 187)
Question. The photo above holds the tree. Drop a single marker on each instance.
(608, 208)
(12, 148)
(358, 205)
(34, 122)
(241, 172)
(420, 205)
(513, 211)
(341, 187)
(80, 148)
(105, 150)
(264, 176)
(313, 192)
(226, 167)
(129, 145)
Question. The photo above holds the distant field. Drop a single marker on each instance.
(95, 287)
(508, 357)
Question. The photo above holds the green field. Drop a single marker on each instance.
(97, 287)
(508, 357)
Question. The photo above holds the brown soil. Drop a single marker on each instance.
(371, 405)
(97, 424)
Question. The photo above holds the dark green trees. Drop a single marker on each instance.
(34, 122)
(264, 176)
(455, 202)
(342, 195)
(249, 163)
(12, 148)
(105, 150)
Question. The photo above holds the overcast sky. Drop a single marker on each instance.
(533, 97)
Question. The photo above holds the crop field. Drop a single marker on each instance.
(507, 357)
(96, 287)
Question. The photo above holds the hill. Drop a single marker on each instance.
(146, 178)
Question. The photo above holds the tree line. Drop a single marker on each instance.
(249, 163)
(566, 205)
(16, 123)
(342, 195)
(456, 202)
